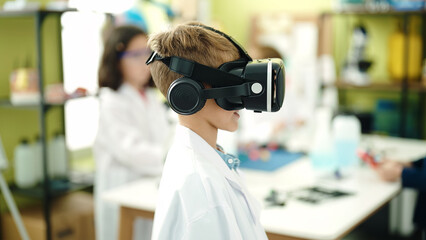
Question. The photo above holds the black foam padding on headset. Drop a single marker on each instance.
(184, 96)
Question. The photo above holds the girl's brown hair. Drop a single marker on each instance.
(119, 38)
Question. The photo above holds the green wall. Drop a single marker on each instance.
(235, 16)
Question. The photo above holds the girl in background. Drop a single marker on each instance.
(133, 128)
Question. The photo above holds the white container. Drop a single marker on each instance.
(38, 159)
(24, 165)
(346, 138)
(51, 158)
(321, 153)
(3, 158)
(58, 157)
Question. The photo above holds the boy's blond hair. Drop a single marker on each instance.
(190, 41)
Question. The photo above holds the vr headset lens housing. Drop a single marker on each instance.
(266, 77)
(256, 85)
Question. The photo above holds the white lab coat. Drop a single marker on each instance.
(130, 144)
(201, 198)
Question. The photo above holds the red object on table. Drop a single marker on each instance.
(367, 158)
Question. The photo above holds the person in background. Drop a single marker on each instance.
(261, 128)
(133, 128)
(411, 176)
(274, 127)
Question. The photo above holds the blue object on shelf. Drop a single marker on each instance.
(135, 17)
(277, 159)
(386, 117)
(407, 5)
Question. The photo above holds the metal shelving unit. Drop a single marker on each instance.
(405, 87)
(49, 188)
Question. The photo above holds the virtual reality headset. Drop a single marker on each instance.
(256, 85)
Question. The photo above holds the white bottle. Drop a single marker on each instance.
(24, 165)
(38, 160)
(60, 154)
(346, 138)
(321, 153)
(51, 158)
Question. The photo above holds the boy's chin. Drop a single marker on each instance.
(230, 128)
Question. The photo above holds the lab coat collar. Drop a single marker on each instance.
(192, 140)
(232, 161)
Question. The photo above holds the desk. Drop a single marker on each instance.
(395, 149)
(328, 220)
(297, 220)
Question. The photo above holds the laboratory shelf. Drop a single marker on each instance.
(374, 13)
(58, 187)
(32, 13)
(405, 87)
(50, 187)
(391, 87)
(6, 103)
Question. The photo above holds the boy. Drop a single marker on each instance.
(201, 194)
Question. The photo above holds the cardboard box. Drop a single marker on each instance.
(72, 218)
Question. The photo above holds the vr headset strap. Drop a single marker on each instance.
(241, 50)
(226, 92)
(196, 71)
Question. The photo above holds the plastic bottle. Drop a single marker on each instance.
(346, 138)
(59, 157)
(24, 165)
(321, 153)
(51, 158)
(397, 53)
(38, 159)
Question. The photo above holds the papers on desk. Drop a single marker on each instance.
(310, 195)
(317, 195)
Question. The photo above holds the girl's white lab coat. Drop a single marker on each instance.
(130, 144)
(201, 198)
